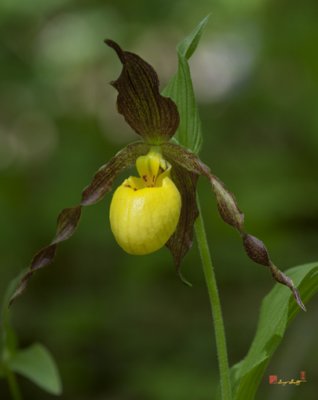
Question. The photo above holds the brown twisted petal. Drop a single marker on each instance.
(69, 218)
(231, 214)
(256, 250)
(105, 176)
(227, 205)
(151, 115)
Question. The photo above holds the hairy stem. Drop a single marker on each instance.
(215, 304)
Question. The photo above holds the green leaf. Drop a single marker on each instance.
(188, 46)
(277, 311)
(180, 89)
(37, 364)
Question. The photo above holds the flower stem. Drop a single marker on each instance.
(226, 391)
(13, 385)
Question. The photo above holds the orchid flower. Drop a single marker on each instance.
(158, 208)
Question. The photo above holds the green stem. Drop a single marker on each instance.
(13, 385)
(215, 303)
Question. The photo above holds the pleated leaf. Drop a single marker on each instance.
(180, 89)
(277, 311)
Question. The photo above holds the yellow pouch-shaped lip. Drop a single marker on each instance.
(143, 218)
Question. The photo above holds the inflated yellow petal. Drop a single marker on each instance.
(143, 218)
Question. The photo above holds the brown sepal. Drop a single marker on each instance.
(181, 241)
(152, 116)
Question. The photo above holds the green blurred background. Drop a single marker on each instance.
(124, 327)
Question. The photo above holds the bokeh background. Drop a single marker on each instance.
(124, 327)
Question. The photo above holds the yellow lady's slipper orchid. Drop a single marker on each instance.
(145, 211)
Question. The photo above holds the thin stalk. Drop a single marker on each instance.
(215, 304)
(13, 385)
